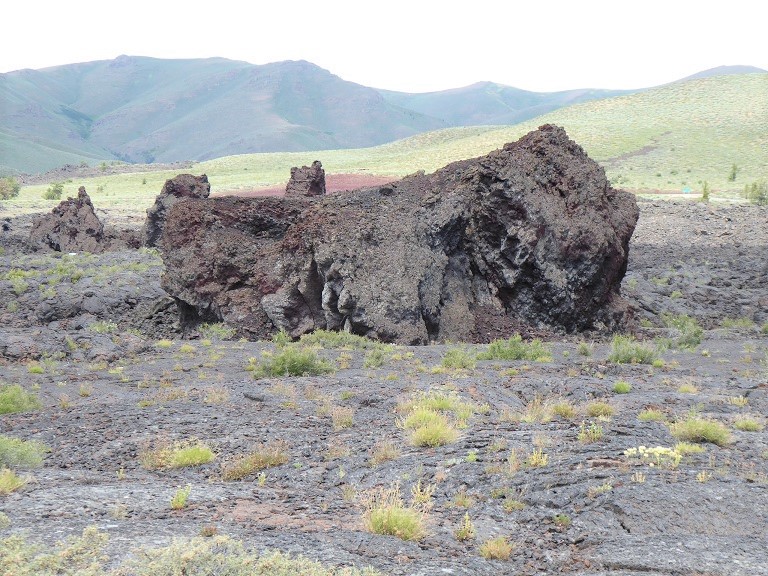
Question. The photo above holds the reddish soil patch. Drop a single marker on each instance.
(333, 183)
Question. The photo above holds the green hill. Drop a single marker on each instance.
(666, 138)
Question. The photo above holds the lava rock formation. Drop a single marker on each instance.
(532, 234)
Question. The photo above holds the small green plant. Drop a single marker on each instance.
(187, 349)
(590, 433)
(14, 398)
(564, 409)
(429, 428)
(54, 191)
(216, 331)
(18, 453)
(497, 548)
(265, 456)
(512, 505)
(340, 340)
(458, 359)
(737, 323)
(697, 429)
(10, 481)
(290, 361)
(35, 368)
(688, 332)
(180, 497)
(687, 448)
(9, 188)
(687, 388)
(103, 327)
(747, 424)
(740, 401)
(595, 491)
(705, 191)
(597, 409)
(627, 350)
(383, 451)
(561, 520)
(651, 415)
(466, 531)
(622, 387)
(175, 455)
(471, 456)
(536, 411)
(385, 512)
(584, 349)
(655, 456)
(757, 193)
(164, 344)
(375, 358)
(537, 459)
(515, 348)
(342, 417)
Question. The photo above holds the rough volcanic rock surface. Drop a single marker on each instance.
(532, 233)
(306, 181)
(70, 227)
(182, 186)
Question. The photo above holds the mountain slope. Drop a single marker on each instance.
(145, 110)
(487, 103)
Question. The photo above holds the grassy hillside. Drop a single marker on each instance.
(488, 103)
(665, 139)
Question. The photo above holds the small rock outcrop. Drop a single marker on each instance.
(182, 186)
(529, 235)
(72, 226)
(307, 181)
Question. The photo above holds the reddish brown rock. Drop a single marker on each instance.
(72, 226)
(307, 181)
(182, 186)
(532, 234)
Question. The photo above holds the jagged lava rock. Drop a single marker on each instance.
(532, 233)
(72, 226)
(306, 181)
(181, 186)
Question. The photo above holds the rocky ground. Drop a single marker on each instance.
(87, 335)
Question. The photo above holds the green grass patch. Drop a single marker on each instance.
(458, 359)
(698, 429)
(339, 341)
(597, 408)
(14, 398)
(84, 555)
(687, 331)
(266, 456)
(385, 512)
(747, 424)
(183, 454)
(627, 350)
(497, 548)
(622, 387)
(292, 361)
(515, 348)
(651, 415)
(216, 331)
(17, 453)
(10, 481)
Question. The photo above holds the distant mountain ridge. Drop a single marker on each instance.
(140, 109)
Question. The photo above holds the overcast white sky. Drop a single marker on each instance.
(406, 45)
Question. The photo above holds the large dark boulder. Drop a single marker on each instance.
(530, 234)
(306, 181)
(72, 226)
(175, 189)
